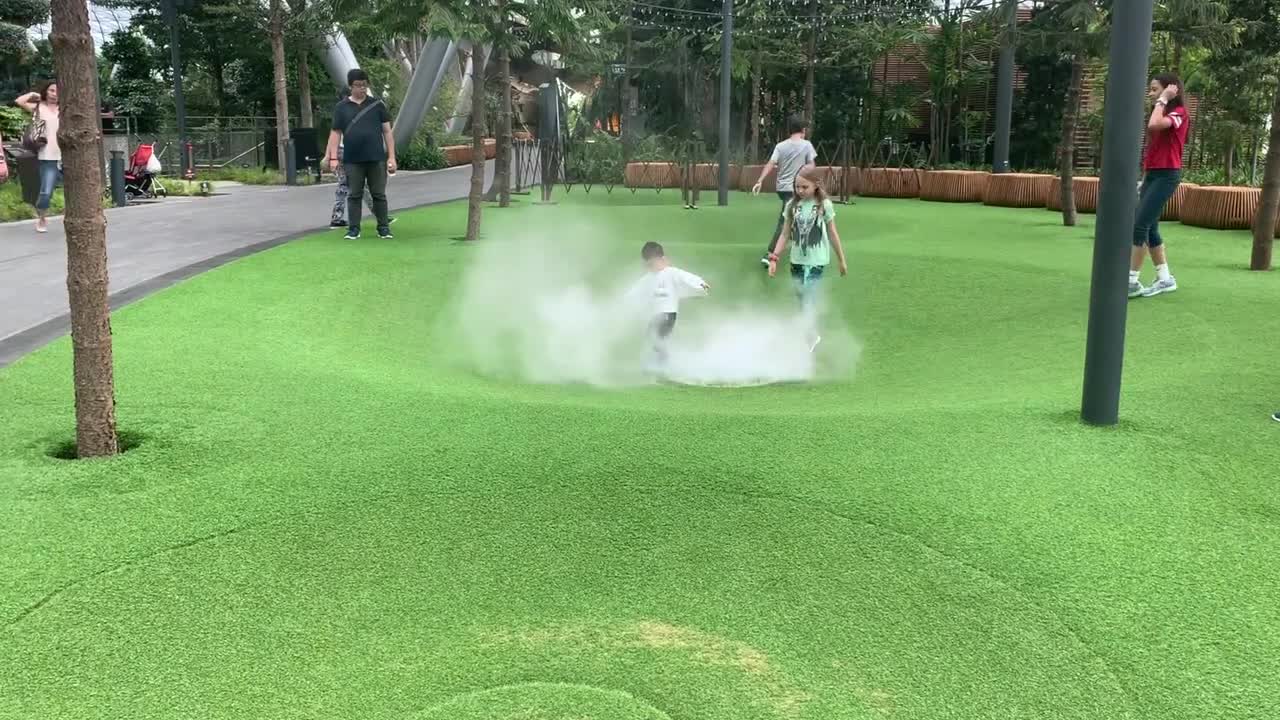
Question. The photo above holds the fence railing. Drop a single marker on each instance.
(688, 166)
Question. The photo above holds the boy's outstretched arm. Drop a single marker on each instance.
(694, 284)
(764, 173)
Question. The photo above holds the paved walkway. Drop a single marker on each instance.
(152, 246)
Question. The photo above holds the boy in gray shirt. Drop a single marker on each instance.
(789, 157)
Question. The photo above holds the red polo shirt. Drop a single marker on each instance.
(1164, 147)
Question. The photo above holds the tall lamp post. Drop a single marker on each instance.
(1108, 295)
(169, 10)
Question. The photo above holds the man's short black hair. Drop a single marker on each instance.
(652, 250)
(355, 75)
(797, 123)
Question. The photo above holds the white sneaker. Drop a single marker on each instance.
(1161, 286)
(1136, 289)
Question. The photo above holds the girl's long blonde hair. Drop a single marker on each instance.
(814, 176)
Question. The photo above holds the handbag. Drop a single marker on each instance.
(34, 137)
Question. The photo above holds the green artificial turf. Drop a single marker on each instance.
(330, 516)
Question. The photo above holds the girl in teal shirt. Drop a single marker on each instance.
(809, 221)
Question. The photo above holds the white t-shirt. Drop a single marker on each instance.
(50, 151)
(663, 290)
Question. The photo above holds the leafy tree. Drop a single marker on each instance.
(1077, 32)
(132, 88)
(15, 17)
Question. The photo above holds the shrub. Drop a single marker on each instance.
(598, 158)
(422, 154)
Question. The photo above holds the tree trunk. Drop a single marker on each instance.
(884, 98)
(1264, 227)
(1177, 56)
(500, 190)
(1067, 148)
(281, 81)
(476, 198)
(628, 112)
(219, 73)
(811, 65)
(756, 69)
(306, 114)
(396, 54)
(1230, 162)
(86, 229)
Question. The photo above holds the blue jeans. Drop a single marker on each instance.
(50, 174)
(1157, 187)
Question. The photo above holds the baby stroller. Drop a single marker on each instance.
(142, 179)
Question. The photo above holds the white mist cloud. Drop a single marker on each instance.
(547, 308)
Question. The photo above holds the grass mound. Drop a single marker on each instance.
(334, 514)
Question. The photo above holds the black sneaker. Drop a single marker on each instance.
(337, 223)
(1276, 416)
(352, 235)
(385, 233)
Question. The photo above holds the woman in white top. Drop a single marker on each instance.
(43, 103)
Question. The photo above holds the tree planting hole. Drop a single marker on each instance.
(66, 450)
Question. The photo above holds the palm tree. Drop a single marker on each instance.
(1078, 29)
(1264, 227)
(86, 228)
(1195, 23)
(275, 27)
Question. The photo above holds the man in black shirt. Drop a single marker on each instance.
(362, 124)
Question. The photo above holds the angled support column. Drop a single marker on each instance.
(338, 57)
(432, 66)
(462, 108)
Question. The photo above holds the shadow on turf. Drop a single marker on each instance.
(66, 449)
(1073, 419)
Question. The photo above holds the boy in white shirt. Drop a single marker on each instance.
(662, 288)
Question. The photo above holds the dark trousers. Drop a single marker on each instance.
(1157, 187)
(358, 174)
(785, 196)
(659, 330)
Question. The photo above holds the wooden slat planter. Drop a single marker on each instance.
(890, 182)
(953, 185)
(461, 154)
(1022, 190)
(708, 176)
(1173, 209)
(1084, 188)
(1220, 208)
(653, 175)
(747, 178)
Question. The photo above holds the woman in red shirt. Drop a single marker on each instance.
(1162, 163)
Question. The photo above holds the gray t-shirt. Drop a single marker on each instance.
(790, 156)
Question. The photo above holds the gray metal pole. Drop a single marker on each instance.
(290, 163)
(170, 11)
(1004, 92)
(118, 196)
(726, 87)
(1113, 236)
